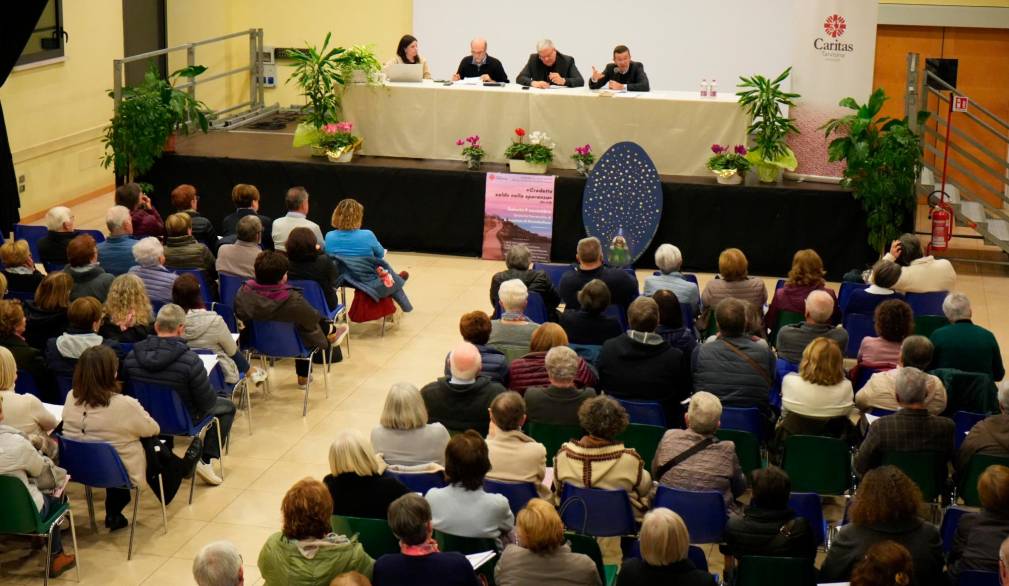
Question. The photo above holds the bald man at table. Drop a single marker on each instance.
(621, 75)
(549, 67)
(480, 64)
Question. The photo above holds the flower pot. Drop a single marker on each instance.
(520, 166)
(344, 156)
(318, 151)
(170, 143)
(728, 176)
(473, 164)
(358, 76)
(767, 173)
(582, 168)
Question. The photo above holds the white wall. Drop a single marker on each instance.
(679, 41)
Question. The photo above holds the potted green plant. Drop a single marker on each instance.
(763, 99)
(883, 157)
(529, 157)
(728, 166)
(319, 72)
(584, 159)
(185, 108)
(339, 142)
(360, 65)
(472, 151)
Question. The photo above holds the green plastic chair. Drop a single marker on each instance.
(553, 436)
(375, 536)
(926, 469)
(468, 545)
(757, 570)
(977, 465)
(924, 325)
(785, 318)
(747, 448)
(587, 545)
(644, 439)
(818, 464)
(19, 516)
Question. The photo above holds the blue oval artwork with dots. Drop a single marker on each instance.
(622, 202)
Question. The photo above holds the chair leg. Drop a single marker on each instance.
(325, 378)
(164, 509)
(192, 487)
(133, 522)
(73, 536)
(384, 318)
(248, 404)
(220, 445)
(49, 550)
(308, 385)
(89, 496)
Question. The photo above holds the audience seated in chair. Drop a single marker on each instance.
(410, 521)
(47, 314)
(475, 328)
(990, 436)
(975, 544)
(240, 257)
(817, 400)
(355, 479)
(165, 359)
(880, 390)
(28, 359)
(664, 545)
(24, 412)
(309, 263)
(246, 200)
(60, 225)
(599, 459)
(128, 316)
(882, 280)
(885, 563)
(806, 275)
(296, 202)
(96, 410)
(714, 467)
(919, 273)
(519, 266)
(62, 352)
(115, 254)
(669, 259)
(306, 552)
(460, 401)
(530, 370)
(793, 338)
(403, 436)
(622, 286)
(463, 508)
(219, 563)
(182, 251)
(885, 507)
(158, 280)
(894, 321)
(733, 282)
(541, 555)
(641, 366)
(207, 330)
(671, 326)
(18, 266)
(90, 279)
(911, 429)
(184, 200)
(558, 402)
(144, 216)
(736, 368)
(512, 333)
(964, 345)
(587, 324)
(514, 456)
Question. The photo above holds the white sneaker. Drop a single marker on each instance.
(206, 473)
(257, 375)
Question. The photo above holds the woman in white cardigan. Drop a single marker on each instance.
(96, 411)
(24, 412)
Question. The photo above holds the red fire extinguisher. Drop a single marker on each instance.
(942, 226)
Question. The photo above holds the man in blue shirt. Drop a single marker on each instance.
(115, 255)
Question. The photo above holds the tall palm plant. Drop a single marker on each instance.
(762, 99)
(319, 72)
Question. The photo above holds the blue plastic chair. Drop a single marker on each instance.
(950, 521)
(230, 284)
(20, 516)
(53, 267)
(844, 294)
(703, 511)
(316, 297)
(26, 384)
(517, 493)
(536, 309)
(22, 296)
(858, 326)
(807, 505)
(205, 291)
(646, 412)
(64, 383)
(964, 421)
(98, 465)
(926, 303)
(419, 481)
(555, 271)
(32, 234)
(977, 578)
(781, 368)
(164, 406)
(618, 313)
(863, 376)
(597, 511)
(744, 419)
(779, 284)
(694, 553)
(880, 412)
(274, 339)
(98, 235)
(589, 352)
(227, 313)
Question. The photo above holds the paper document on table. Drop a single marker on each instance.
(478, 559)
(235, 336)
(56, 410)
(209, 361)
(626, 94)
(470, 81)
(870, 418)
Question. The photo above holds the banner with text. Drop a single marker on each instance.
(834, 47)
(518, 209)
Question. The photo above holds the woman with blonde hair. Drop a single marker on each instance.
(733, 281)
(664, 546)
(542, 554)
(47, 314)
(25, 412)
(531, 371)
(355, 480)
(19, 267)
(806, 275)
(403, 436)
(128, 313)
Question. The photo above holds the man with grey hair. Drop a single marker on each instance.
(919, 273)
(962, 344)
(165, 360)
(518, 261)
(711, 466)
(219, 563)
(514, 456)
(512, 333)
(460, 401)
(549, 67)
(53, 246)
(479, 64)
(793, 338)
(669, 259)
(150, 256)
(623, 287)
(990, 436)
(296, 201)
(116, 253)
(880, 391)
(558, 403)
(240, 258)
(911, 429)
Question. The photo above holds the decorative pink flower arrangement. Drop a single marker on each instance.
(726, 160)
(472, 151)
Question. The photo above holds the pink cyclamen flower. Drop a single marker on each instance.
(344, 127)
(330, 128)
(717, 149)
(740, 149)
(459, 142)
(588, 149)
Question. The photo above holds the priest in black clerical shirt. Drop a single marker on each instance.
(480, 64)
(622, 74)
(547, 67)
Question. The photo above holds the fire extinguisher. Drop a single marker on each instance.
(942, 226)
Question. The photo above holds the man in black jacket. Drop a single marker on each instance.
(480, 64)
(519, 263)
(547, 67)
(622, 74)
(461, 401)
(623, 287)
(165, 359)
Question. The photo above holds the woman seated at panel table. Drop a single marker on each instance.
(407, 54)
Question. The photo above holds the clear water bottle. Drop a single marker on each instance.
(704, 88)
(713, 88)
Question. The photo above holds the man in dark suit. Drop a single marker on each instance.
(480, 64)
(547, 67)
(622, 74)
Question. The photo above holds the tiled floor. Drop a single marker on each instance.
(285, 446)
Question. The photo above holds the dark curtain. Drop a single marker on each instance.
(16, 26)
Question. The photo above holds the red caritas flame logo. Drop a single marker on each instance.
(835, 25)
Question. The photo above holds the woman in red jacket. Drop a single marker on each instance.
(531, 371)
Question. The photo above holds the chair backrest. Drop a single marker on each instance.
(755, 570)
(463, 545)
(314, 295)
(587, 545)
(782, 367)
(747, 419)
(863, 372)
(880, 412)
(277, 339)
(536, 309)
(644, 439)
(53, 267)
(779, 284)
(589, 352)
(596, 511)
(555, 271)
(968, 391)
(808, 506)
(847, 288)
(418, 481)
(618, 313)
(22, 296)
(32, 234)
(517, 493)
(926, 469)
(95, 464)
(817, 464)
(926, 303)
(702, 510)
(785, 318)
(98, 235)
(964, 421)
(975, 467)
(230, 284)
(645, 412)
(18, 514)
(26, 384)
(950, 520)
(747, 448)
(164, 406)
(553, 436)
(858, 326)
(64, 383)
(228, 314)
(374, 535)
(977, 578)
(205, 291)
(924, 325)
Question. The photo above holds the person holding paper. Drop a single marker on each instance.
(549, 67)
(621, 75)
(480, 64)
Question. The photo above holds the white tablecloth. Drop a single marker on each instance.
(423, 121)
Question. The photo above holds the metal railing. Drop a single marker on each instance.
(254, 107)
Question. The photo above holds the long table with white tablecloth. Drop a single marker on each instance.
(424, 120)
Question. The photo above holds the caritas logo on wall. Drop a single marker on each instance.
(833, 47)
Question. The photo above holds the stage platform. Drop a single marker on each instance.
(437, 206)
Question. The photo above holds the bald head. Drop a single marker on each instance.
(465, 362)
(478, 44)
(819, 307)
